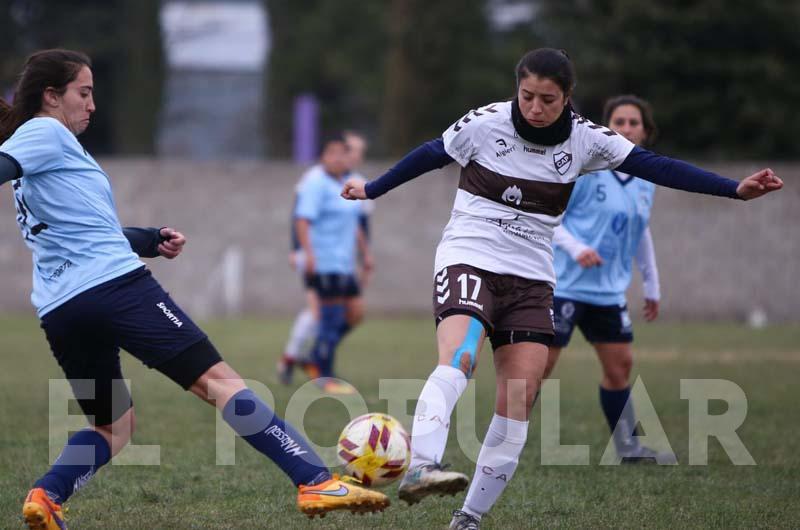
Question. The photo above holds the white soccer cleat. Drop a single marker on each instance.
(430, 479)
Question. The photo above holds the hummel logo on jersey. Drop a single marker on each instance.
(442, 287)
(513, 195)
(287, 443)
(501, 142)
(562, 161)
(534, 150)
(169, 314)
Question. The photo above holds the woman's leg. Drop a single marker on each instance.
(520, 368)
(459, 338)
(616, 359)
(304, 329)
(252, 419)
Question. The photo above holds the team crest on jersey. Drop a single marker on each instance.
(619, 223)
(512, 195)
(562, 160)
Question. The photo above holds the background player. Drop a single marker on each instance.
(328, 229)
(494, 272)
(306, 324)
(604, 227)
(94, 296)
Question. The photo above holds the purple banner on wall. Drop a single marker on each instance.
(306, 129)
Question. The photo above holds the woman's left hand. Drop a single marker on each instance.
(758, 184)
(173, 244)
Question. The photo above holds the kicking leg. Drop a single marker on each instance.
(459, 338)
(318, 491)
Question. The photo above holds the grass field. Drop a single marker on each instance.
(188, 490)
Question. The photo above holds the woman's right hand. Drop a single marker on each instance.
(758, 184)
(354, 188)
(310, 265)
(589, 258)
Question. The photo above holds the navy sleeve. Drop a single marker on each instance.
(144, 241)
(9, 168)
(676, 174)
(427, 157)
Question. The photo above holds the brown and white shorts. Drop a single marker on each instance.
(511, 308)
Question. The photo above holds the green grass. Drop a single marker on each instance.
(189, 491)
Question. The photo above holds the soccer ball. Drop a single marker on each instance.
(375, 449)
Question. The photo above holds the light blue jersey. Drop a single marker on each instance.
(609, 212)
(334, 222)
(66, 212)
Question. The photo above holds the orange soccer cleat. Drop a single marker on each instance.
(41, 513)
(339, 494)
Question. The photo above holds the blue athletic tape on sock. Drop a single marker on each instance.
(470, 346)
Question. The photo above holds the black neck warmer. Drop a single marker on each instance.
(553, 134)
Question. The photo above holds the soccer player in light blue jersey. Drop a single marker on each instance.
(305, 328)
(329, 232)
(604, 228)
(94, 296)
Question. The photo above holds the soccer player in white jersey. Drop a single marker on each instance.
(604, 227)
(305, 328)
(94, 296)
(494, 272)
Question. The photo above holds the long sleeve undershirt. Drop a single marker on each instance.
(641, 163)
(646, 261)
(144, 241)
(676, 174)
(427, 157)
(563, 238)
(9, 168)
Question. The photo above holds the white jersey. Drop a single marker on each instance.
(512, 193)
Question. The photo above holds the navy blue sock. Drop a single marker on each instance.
(269, 434)
(344, 329)
(332, 317)
(613, 403)
(80, 459)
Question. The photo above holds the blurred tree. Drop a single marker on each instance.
(721, 74)
(399, 70)
(138, 77)
(440, 65)
(334, 50)
(123, 39)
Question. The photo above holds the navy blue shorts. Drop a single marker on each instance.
(131, 312)
(598, 323)
(329, 286)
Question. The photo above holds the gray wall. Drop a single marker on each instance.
(719, 259)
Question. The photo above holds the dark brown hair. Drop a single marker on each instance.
(550, 63)
(645, 109)
(44, 69)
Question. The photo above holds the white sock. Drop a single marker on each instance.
(497, 462)
(304, 329)
(432, 415)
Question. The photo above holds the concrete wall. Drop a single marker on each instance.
(719, 259)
